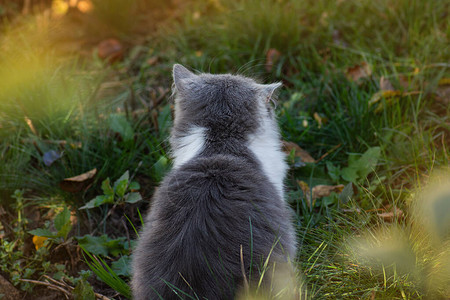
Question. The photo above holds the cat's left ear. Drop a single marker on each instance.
(269, 89)
(182, 77)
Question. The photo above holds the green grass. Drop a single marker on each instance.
(318, 41)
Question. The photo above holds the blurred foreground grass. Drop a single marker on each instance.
(365, 93)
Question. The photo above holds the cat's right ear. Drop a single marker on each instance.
(182, 77)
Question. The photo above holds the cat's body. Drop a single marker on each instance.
(224, 194)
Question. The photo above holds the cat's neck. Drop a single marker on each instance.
(264, 145)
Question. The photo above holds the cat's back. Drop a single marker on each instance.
(204, 212)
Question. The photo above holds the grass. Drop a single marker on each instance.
(112, 118)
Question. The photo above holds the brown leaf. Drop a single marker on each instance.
(299, 152)
(394, 214)
(152, 60)
(357, 72)
(110, 50)
(78, 183)
(321, 190)
(272, 57)
(318, 191)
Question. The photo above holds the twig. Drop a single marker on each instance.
(328, 152)
(49, 285)
(65, 285)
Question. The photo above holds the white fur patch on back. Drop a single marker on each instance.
(189, 146)
(266, 146)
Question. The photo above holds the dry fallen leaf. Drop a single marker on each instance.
(272, 57)
(299, 152)
(318, 191)
(321, 190)
(110, 50)
(152, 60)
(78, 183)
(357, 72)
(392, 215)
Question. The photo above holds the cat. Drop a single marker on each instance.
(219, 214)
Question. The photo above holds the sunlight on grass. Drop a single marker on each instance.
(417, 251)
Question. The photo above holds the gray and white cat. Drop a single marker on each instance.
(224, 194)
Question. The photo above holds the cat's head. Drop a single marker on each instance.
(219, 113)
(226, 104)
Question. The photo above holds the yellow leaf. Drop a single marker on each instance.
(444, 81)
(383, 94)
(318, 119)
(306, 191)
(38, 241)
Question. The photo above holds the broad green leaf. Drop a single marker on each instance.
(42, 232)
(122, 266)
(120, 124)
(116, 246)
(97, 201)
(347, 193)
(93, 244)
(124, 176)
(120, 185)
(103, 245)
(359, 168)
(349, 174)
(134, 186)
(333, 171)
(64, 231)
(121, 188)
(133, 197)
(106, 187)
(83, 291)
(368, 161)
(62, 219)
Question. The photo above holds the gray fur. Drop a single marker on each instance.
(206, 209)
